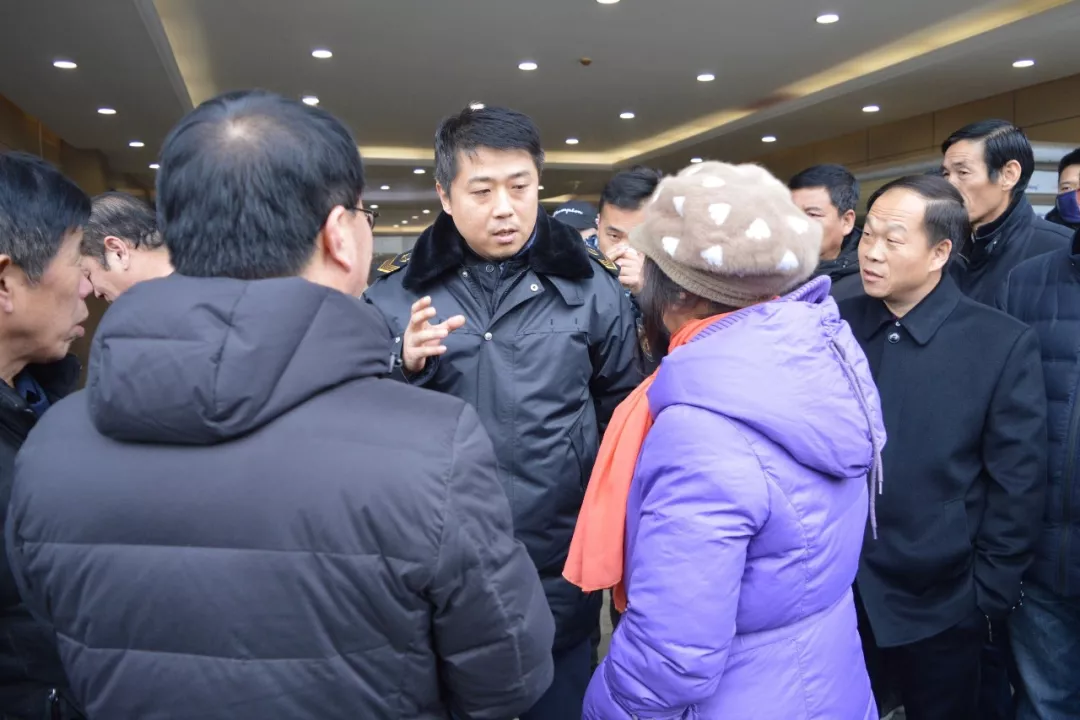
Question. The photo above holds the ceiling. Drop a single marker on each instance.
(399, 66)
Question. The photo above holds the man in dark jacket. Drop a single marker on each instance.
(829, 194)
(42, 295)
(964, 407)
(991, 162)
(1066, 210)
(240, 518)
(1044, 292)
(507, 309)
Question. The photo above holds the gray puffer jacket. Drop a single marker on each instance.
(239, 519)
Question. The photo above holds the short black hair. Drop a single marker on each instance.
(1002, 143)
(123, 216)
(945, 218)
(630, 188)
(842, 186)
(247, 181)
(1069, 160)
(39, 206)
(495, 128)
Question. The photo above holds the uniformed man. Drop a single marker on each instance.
(507, 309)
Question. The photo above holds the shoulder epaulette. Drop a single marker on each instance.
(395, 263)
(602, 259)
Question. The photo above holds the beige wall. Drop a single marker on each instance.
(1049, 112)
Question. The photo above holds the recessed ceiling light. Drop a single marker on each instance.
(540, 187)
(427, 212)
(419, 171)
(1023, 63)
(871, 109)
(528, 66)
(384, 187)
(106, 111)
(695, 160)
(607, 2)
(404, 222)
(310, 100)
(396, 226)
(373, 207)
(415, 217)
(768, 139)
(154, 166)
(64, 64)
(136, 144)
(572, 141)
(627, 115)
(476, 106)
(828, 19)
(322, 54)
(706, 77)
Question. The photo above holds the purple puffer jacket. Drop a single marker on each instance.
(744, 526)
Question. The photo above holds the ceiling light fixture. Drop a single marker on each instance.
(572, 141)
(322, 54)
(419, 171)
(1024, 63)
(627, 115)
(706, 77)
(136, 144)
(106, 111)
(871, 109)
(373, 207)
(828, 19)
(541, 187)
(415, 217)
(528, 66)
(607, 2)
(769, 139)
(64, 64)
(154, 166)
(427, 212)
(310, 100)
(385, 187)
(476, 106)
(695, 160)
(404, 222)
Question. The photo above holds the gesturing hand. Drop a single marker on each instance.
(631, 267)
(422, 339)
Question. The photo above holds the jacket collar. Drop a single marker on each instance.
(847, 262)
(924, 320)
(57, 379)
(557, 250)
(1076, 243)
(994, 237)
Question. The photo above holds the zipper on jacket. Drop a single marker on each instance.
(1066, 489)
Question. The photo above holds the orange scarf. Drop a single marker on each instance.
(596, 557)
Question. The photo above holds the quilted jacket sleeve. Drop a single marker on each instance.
(704, 497)
(493, 629)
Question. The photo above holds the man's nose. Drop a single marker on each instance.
(85, 288)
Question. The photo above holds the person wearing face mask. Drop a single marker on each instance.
(991, 162)
(1067, 205)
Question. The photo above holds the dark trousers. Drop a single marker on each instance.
(566, 696)
(1046, 642)
(999, 676)
(934, 679)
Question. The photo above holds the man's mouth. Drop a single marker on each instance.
(506, 234)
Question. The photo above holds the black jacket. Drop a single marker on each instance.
(1044, 292)
(844, 270)
(1055, 217)
(965, 411)
(983, 264)
(29, 664)
(239, 519)
(545, 360)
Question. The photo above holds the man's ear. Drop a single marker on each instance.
(336, 239)
(940, 255)
(116, 246)
(1010, 174)
(7, 300)
(847, 222)
(444, 198)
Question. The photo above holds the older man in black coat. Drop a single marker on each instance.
(961, 391)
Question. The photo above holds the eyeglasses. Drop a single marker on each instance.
(372, 215)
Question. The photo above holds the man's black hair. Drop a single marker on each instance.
(842, 186)
(39, 206)
(1069, 160)
(945, 218)
(1002, 143)
(630, 188)
(247, 181)
(494, 128)
(123, 216)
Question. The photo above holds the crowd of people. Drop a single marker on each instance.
(822, 469)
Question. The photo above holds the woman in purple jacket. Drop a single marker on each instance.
(748, 501)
